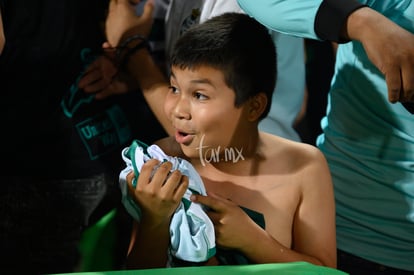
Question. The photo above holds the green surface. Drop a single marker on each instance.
(301, 268)
(98, 244)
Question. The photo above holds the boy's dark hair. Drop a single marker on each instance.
(237, 45)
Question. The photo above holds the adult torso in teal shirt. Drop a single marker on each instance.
(368, 142)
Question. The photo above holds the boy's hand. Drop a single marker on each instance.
(158, 194)
(231, 224)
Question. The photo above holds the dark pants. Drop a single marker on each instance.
(41, 222)
(358, 266)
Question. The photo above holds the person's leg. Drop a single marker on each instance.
(41, 222)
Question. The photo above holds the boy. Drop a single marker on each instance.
(222, 79)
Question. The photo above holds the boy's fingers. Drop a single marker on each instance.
(160, 174)
(208, 201)
(180, 184)
(130, 177)
(147, 168)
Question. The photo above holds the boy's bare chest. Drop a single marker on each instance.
(277, 201)
(262, 194)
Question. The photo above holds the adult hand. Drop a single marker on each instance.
(122, 20)
(98, 75)
(389, 47)
(103, 79)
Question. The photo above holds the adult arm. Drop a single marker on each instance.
(389, 47)
(2, 38)
(295, 17)
(316, 19)
(122, 22)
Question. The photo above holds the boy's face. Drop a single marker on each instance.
(201, 108)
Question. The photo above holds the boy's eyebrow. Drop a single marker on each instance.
(198, 81)
(202, 81)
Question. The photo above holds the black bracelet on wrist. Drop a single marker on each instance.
(124, 62)
(123, 57)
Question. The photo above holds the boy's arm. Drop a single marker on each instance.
(314, 231)
(158, 195)
(149, 238)
(148, 246)
(314, 225)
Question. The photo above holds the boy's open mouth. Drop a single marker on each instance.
(183, 137)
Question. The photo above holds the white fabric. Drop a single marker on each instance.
(191, 230)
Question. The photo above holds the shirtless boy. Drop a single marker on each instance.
(222, 79)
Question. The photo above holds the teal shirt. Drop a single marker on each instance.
(368, 142)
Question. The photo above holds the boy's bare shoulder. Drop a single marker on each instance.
(294, 155)
(304, 164)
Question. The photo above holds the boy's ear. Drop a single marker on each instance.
(257, 105)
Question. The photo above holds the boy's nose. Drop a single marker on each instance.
(182, 109)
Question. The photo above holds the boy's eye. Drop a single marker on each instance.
(173, 89)
(200, 96)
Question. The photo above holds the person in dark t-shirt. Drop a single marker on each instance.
(60, 147)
